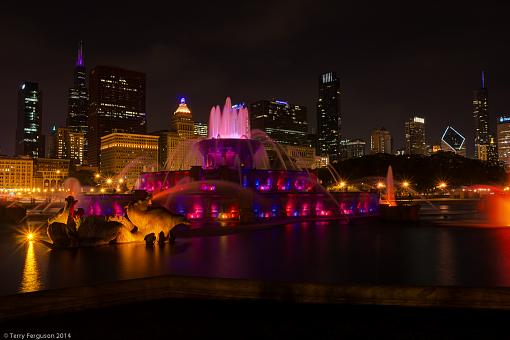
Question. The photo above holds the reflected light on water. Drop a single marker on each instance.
(31, 279)
(498, 208)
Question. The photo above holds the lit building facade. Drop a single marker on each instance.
(503, 139)
(117, 102)
(481, 120)
(126, 155)
(492, 154)
(29, 139)
(16, 173)
(78, 104)
(70, 145)
(321, 161)
(355, 148)
(200, 129)
(284, 123)
(381, 141)
(329, 120)
(50, 173)
(453, 141)
(415, 139)
(436, 148)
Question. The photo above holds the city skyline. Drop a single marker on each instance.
(386, 83)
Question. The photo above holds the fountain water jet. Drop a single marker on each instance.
(390, 188)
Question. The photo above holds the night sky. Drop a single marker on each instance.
(394, 60)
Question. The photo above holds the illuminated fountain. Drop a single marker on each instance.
(390, 188)
(235, 183)
(390, 211)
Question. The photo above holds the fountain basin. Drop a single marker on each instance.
(404, 213)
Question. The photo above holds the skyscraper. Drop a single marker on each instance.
(51, 142)
(503, 136)
(481, 120)
(181, 121)
(492, 153)
(329, 120)
(117, 101)
(381, 141)
(175, 144)
(285, 123)
(29, 140)
(78, 102)
(415, 136)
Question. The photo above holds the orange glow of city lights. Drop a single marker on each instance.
(405, 184)
(442, 185)
(380, 185)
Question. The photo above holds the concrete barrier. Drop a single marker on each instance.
(164, 287)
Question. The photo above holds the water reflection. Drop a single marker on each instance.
(31, 279)
(326, 252)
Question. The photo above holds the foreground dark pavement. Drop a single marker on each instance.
(184, 319)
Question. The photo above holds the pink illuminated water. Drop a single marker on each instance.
(229, 123)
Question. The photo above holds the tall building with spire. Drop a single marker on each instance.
(78, 103)
(481, 120)
(329, 120)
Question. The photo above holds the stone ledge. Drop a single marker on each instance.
(180, 287)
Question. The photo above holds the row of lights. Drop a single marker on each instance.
(19, 191)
